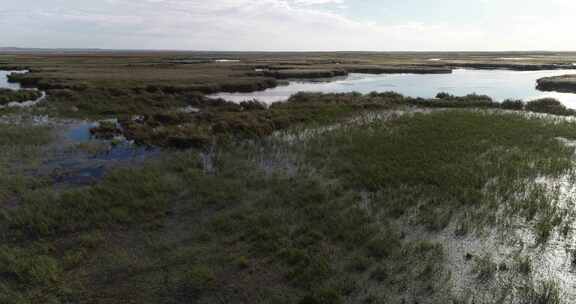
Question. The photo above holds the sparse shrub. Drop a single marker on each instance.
(313, 271)
(242, 262)
(106, 130)
(7, 95)
(196, 281)
(546, 224)
(547, 293)
(379, 274)
(253, 105)
(510, 104)
(359, 263)
(549, 106)
(444, 95)
(372, 299)
(323, 296)
(462, 228)
(74, 258)
(380, 247)
(445, 100)
(29, 268)
(346, 285)
(524, 265)
(484, 268)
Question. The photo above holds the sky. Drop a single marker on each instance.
(290, 25)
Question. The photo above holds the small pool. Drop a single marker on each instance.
(4, 84)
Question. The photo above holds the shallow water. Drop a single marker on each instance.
(71, 164)
(4, 84)
(120, 150)
(499, 84)
(67, 162)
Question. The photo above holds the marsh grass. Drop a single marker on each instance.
(459, 160)
(545, 293)
(275, 221)
(484, 268)
(7, 96)
(289, 233)
(20, 149)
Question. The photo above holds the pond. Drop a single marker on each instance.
(498, 84)
(4, 84)
(78, 158)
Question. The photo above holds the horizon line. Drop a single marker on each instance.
(73, 49)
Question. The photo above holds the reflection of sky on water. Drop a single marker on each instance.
(499, 84)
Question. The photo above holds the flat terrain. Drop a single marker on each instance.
(208, 71)
(325, 198)
(139, 77)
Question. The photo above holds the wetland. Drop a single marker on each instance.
(498, 84)
(197, 177)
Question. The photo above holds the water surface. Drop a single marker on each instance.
(4, 84)
(498, 84)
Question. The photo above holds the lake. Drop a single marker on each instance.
(499, 84)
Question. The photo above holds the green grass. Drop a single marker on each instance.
(344, 215)
(546, 293)
(443, 163)
(290, 235)
(333, 217)
(222, 120)
(89, 84)
(7, 96)
(21, 147)
(485, 269)
(20, 136)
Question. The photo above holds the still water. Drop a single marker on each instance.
(4, 84)
(499, 84)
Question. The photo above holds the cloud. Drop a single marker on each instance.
(317, 2)
(272, 25)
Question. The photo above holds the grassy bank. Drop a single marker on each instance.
(211, 121)
(7, 96)
(564, 83)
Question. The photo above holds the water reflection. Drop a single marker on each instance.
(4, 84)
(499, 84)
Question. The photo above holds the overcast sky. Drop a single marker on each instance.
(372, 25)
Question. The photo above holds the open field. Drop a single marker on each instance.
(323, 199)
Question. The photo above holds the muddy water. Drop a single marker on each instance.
(499, 84)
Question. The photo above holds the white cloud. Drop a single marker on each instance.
(317, 2)
(267, 25)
